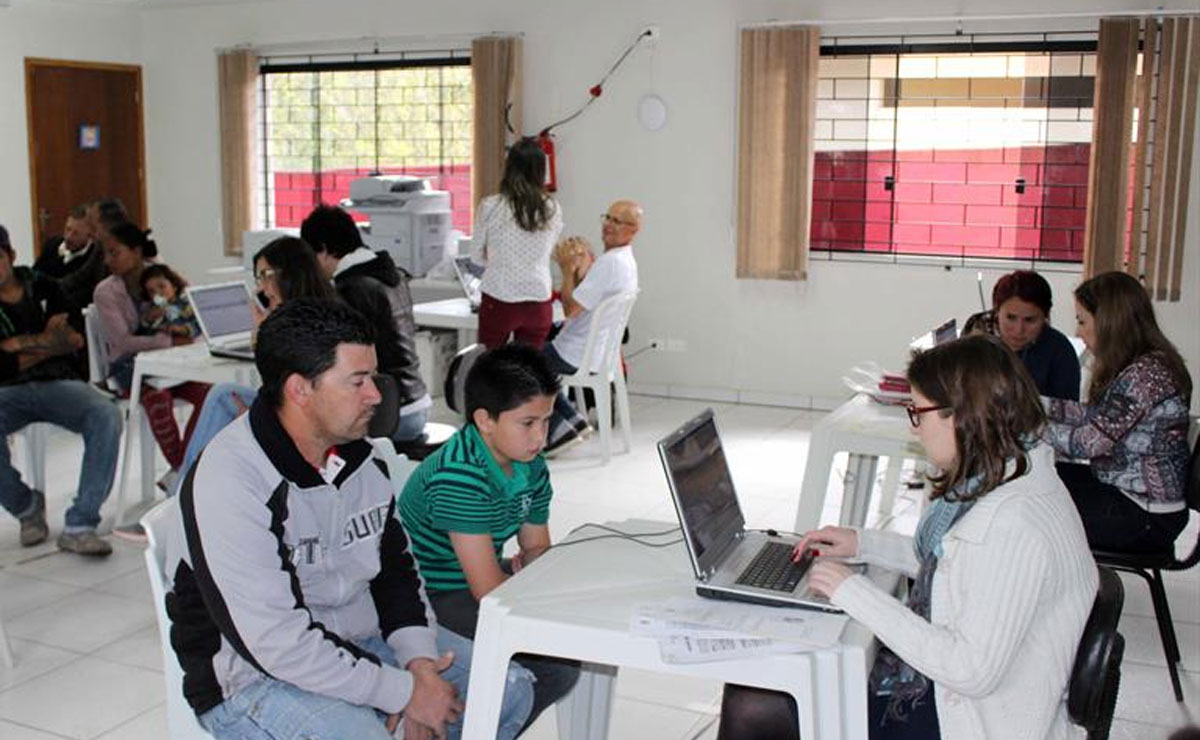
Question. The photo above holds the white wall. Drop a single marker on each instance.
(764, 340)
(55, 31)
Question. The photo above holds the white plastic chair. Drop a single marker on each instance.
(603, 350)
(98, 361)
(399, 467)
(158, 522)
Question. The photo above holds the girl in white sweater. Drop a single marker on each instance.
(1003, 578)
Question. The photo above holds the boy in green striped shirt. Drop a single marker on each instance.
(486, 484)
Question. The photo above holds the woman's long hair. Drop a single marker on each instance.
(523, 185)
(296, 270)
(1125, 329)
(995, 405)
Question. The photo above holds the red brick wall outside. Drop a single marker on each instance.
(296, 193)
(953, 202)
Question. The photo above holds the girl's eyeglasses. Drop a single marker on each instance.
(914, 413)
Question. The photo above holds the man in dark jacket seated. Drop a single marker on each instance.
(373, 284)
(39, 382)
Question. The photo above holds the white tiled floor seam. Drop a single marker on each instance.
(72, 621)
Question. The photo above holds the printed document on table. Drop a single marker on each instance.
(699, 618)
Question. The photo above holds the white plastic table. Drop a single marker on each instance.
(186, 362)
(576, 602)
(867, 430)
(455, 313)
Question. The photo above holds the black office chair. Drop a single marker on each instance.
(1151, 567)
(1096, 676)
(387, 416)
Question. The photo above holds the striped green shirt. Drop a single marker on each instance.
(461, 488)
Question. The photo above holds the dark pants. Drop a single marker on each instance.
(566, 417)
(1115, 523)
(458, 611)
(761, 714)
(527, 321)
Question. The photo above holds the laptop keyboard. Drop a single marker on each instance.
(772, 568)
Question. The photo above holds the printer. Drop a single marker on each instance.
(407, 219)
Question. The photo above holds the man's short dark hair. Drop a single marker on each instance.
(330, 229)
(506, 377)
(302, 336)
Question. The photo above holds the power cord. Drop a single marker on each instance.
(618, 534)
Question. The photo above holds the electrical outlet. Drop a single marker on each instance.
(677, 345)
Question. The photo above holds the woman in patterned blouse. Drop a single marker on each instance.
(515, 231)
(1133, 427)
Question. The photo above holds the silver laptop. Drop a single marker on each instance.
(947, 331)
(729, 562)
(470, 277)
(226, 320)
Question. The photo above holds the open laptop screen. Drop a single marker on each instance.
(703, 488)
(224, 310)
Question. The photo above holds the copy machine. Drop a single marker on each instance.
(407, 219)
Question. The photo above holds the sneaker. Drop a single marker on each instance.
(572, 436)
(34, 530)
(86, 542)
(167, 482)
(134, 532)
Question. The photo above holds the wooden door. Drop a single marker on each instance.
(85, 140)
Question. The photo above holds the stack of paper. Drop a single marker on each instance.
(695, 631)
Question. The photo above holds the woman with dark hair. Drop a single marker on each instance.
(1133, 427)
(1021, 306)
(120, 306)
(284, 270)
(1003, 578)
(515, 231)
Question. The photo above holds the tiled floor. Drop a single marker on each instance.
(88, 661)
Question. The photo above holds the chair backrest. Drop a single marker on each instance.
(158, 522)
(97, 348)
(399, 467)
(1096, 675)
(602, 351)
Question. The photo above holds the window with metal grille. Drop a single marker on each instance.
(327, 121)
(967, 147)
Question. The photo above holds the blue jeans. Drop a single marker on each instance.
(73, 405)
(411, 426)
(218, 411)
(273, 710)
(566, 417)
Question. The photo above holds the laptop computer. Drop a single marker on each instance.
(729, 561)
(223, 311)
(947, 331)
(470, 278)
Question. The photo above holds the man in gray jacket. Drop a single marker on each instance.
(296, 606)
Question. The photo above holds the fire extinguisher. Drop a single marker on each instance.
(546, 142)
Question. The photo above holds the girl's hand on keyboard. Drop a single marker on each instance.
(839, 542)
(825, 577)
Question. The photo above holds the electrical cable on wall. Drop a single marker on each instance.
(545, 136)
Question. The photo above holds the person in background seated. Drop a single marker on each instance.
(40, 332)
(1133, 428)
(62, 255)
(80, 284)
(485, 485)
(373, 285)
(284, 269)
(613, 272)
(171, 310)
(1021, 304)
(514, 233)
(296, 607)
(120, 305)
(1004, 580)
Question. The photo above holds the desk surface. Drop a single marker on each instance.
(455, 313)
(577, 600)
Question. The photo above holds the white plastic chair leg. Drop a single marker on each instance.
(585, 712)
(35, 454)
(604, 417)
(623, 411)
(6, 656)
